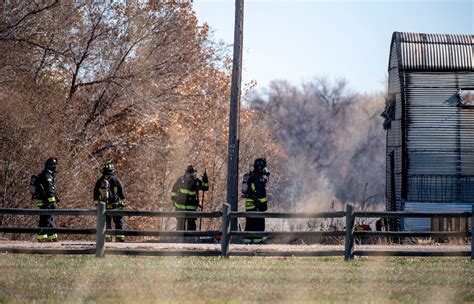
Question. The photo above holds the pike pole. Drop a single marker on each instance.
(202, 209)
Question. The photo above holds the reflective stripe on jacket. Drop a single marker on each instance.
(185, 193)
(46, 189)
(257, 192)
(184, 207)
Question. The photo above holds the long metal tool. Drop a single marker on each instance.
(202, 209)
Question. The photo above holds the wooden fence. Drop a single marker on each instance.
(226, 234)
(84, 231)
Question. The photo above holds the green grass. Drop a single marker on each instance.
(51, 279)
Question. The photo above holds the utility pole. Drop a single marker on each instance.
(233, 147)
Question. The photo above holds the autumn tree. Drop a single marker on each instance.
(138, 83)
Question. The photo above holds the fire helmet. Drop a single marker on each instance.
(259, 164)
(107, 168)
(190, 169)
(51, 164)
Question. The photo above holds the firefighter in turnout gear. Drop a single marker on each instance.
(255, 197)
(109, 189)
(45, 195)
(185, 196)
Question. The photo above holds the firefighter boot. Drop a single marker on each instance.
(42, 237)
(52, 237)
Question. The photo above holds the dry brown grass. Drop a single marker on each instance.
(28, 278)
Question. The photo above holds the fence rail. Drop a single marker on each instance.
(402, 234)
(225, 234)
(48, 211)
(295, 253)
(49, 250)
(177, 214)
(412, 253)
(48, 230)
(143, 252)
(398, 214)
(286, 233)
(178, 233)
(288, 214)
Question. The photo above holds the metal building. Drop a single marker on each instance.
(429, 117)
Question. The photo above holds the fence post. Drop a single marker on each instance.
(472, 232)
(100, 234)
(349, 242)
(225, 230)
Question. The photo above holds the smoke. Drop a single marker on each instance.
(311, 190)
(332, 140)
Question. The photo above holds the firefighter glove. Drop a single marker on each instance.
(121, 204)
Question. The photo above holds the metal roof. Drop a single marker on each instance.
(416, 51)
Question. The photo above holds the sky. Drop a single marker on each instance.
(298, 40)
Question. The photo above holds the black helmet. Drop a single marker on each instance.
(51, 164)
(107, 168)
(259, 164)
(190, 169)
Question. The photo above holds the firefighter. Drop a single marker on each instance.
(185, 195)
(46, 197)
(109, 189)
(255, 196)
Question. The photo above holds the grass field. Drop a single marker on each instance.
(121, 279)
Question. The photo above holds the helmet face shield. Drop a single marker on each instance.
(190, 176)
(265, 171)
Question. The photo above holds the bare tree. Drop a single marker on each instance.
(330, 136)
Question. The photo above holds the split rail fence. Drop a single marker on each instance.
(225, 234)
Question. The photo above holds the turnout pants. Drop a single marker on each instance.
(46, 221)
(254, 224)
(187, 223)
(118, 222)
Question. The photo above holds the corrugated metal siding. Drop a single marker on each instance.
(424, 224)
(434, 51)
(393, 64)
(440, 138)
(394, 143)
(437, 135)
(436, 38)
(393, 136)
(454, 79)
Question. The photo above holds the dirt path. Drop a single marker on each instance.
(233, 247)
